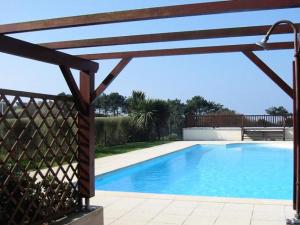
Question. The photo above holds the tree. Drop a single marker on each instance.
(116, 103)
(135, 101)
(59, 105)
(176, 118)
(224, 111)
(102, 104)
(161, 115)
(149, 114)
(199, 106)
(143, 117)
(64, 94)
(277, 111)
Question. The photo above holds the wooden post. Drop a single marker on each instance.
(86, 133)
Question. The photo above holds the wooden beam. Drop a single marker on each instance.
(86, 138)
(111, 76)
(82, 107)
(173, 36)
(25, 49)
(150, 13)
(270, 73)
(187, 51)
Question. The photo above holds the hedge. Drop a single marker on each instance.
(109, 131)
(32, 139)
(116, 131)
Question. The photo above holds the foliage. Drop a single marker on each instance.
(116, 103)
(102, 104)
(199, 106)
(143, 114)
(277, 111)
(113, 104)
(141, 119)
(32, 139)
(176, 118)
(112, 130)
(36, 198)
(150, 115)
(161, 115)
(135, 101)
(173, 137)
(150, 119)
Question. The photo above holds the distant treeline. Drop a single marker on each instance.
(137, 118)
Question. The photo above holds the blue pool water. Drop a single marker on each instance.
(234, 170)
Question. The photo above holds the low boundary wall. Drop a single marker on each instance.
(220, 134)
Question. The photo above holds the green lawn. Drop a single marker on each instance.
(118, 149)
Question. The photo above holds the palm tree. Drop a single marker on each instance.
(144, 116)
(135, 100)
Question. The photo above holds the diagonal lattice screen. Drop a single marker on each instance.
(38, 157)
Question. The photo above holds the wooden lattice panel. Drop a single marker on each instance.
(38, 157)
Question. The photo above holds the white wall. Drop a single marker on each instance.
(212, 134)
(289, 134)
(220, 134)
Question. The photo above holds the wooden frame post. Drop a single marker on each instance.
(86, 138)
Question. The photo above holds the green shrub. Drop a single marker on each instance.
(20, 135)
(36, 197)
(117, 130)
(173, 137)
(111, 130)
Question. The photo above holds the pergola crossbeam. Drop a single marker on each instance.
(172, 36)
(111, 76)
(150, 13)
(187, 51)
(25, 49)
(269, 72)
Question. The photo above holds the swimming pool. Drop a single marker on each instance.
(232, 170)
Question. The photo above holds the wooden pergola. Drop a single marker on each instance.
(86, 93)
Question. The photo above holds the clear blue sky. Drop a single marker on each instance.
(230, 79)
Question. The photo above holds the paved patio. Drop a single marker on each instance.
(123, 208)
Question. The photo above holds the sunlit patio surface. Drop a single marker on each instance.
(124, 208)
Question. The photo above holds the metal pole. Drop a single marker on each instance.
(294, 140)
(87, 204)
(2, 107)
(296, 136)
(296, 111)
